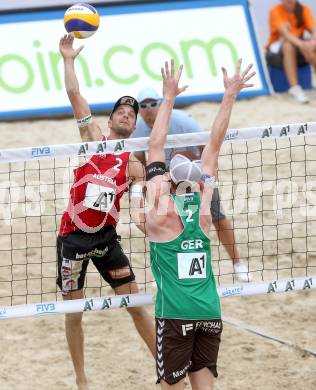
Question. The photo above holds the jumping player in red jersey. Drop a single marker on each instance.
(88, 226)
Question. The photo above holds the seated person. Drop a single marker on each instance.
(287, 48)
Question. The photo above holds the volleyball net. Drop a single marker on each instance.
(267, 185)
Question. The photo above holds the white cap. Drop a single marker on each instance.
(148, 93)
(183, 169)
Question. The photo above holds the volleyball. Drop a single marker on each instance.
(81, 20)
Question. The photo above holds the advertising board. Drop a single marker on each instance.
(125, 54)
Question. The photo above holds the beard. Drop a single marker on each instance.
(122, 132)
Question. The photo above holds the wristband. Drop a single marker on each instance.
(85, 121)
(156, 168)
(209, 180)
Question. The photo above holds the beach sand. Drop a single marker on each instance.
(34, 354)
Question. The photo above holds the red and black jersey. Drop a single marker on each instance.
(95, 195)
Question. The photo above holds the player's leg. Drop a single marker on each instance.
(75, 340)
(143, 321)
(202, 379)
(205, 353)
(226, 236)
(71, 274)
(290, 62)
(223, 227)
(225, 233)
(177, 386)
(115, 269)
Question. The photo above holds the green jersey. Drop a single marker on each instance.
(186, 286)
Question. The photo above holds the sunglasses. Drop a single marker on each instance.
(148, 105)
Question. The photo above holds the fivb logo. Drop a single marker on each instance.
(186, 328)
(41, 151)
(45, 308)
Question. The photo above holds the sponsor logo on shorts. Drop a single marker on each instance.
(210, 327)
(182, 372)
(95, 252)
(186, 328)
(68, 285)
(70, 273)
(120, 272)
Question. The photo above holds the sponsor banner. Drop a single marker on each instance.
(276, 286)
(125, 54)
(141, 144)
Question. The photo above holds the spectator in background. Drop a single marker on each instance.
(181, 123)
(287, 46)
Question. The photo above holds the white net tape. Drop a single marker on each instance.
(141, 144)
(133, 300)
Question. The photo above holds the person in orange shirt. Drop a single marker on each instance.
(287, 46)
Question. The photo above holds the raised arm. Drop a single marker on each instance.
(89, 129)
(159, 132)
(232, 86)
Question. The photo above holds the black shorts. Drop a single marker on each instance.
(103, 248)
(186, 346)
(276, 59)
(216, 210)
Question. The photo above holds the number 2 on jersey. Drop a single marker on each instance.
(189, 217)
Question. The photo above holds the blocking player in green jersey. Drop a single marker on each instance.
(178, 219)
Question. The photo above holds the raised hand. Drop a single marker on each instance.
(171, 79)
(66, 47)
(233, 85)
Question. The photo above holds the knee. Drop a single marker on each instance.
(311, 58)
(137, 313)
(73, 320)
(288, 47)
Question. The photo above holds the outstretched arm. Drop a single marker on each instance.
(89, 129)
(159, 132)
(232, 86)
